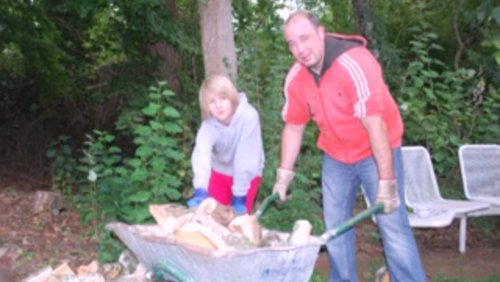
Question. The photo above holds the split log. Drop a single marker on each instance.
(46, 201)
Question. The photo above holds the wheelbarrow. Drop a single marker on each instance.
(174, 261)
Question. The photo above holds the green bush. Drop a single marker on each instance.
(442, 107)
(113, 186)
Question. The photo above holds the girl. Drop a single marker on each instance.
(228, 157)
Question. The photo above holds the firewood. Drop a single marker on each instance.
(46, 201)
(62, 269)
(301, 233)
(170, 217)
(92, 267)
(248, 226)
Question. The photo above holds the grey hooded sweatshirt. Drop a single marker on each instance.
(235, 150)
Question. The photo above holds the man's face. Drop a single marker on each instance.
(305, 42)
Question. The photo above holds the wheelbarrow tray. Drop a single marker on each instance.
(277, 263)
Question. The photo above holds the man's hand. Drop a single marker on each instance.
(388, 195)
(283, 179)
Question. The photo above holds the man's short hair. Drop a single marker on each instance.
(305, 14)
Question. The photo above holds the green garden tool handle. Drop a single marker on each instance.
(265, 203)
(343, 227)
(162, 268)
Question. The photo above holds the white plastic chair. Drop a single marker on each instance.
(480, 169)
(422, 218)
(423, 196)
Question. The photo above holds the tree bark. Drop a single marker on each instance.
(170, 63)
(364, 23)
(217, 38)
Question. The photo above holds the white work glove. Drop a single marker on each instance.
(388, 195)
(283, 179)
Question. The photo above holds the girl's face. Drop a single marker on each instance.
(221, 108)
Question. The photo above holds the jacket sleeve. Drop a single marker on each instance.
(201, 158)
(295, 109)
(248, 160)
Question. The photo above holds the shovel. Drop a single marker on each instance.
(248, 225)
(267, 201)
(302, 229)
(348, 224)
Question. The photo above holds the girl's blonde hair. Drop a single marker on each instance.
(216, 85)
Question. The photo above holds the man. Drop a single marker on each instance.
(338, 83)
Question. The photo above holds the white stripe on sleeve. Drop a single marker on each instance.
(290, 76)
(360, 82)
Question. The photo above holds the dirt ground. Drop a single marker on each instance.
(439, 253)
(30, 242)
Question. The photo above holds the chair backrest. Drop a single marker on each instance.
(480, 169)
(421, 187)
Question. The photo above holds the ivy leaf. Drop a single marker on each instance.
(140, 197)
(172, 127)
(173, 154)
(143, 130)
(136, 214)
(151, 109)
(115, 149)
(168, 93)
(109, 138)
(144, 151)
(155, 125)
(139, 175)
(418, 82)
(173, 194)
(122, 171)
(171, 112)
(135, 162)
(454, 140)
(158, 164)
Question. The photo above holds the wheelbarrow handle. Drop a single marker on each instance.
(343, 227)
(268, 200)
(161, 269)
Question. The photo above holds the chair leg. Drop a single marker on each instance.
(462, 234)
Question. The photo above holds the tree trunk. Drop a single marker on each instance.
(217, 38)
(364, 23)
(170, 63)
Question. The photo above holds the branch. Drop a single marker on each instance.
(458, 55)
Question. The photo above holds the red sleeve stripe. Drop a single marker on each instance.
(360, 82)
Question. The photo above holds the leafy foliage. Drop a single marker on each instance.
(112, 186)
(24, 53)
(441, 106)
(63, 166)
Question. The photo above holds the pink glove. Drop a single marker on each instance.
(283, 179)
(388, 195)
